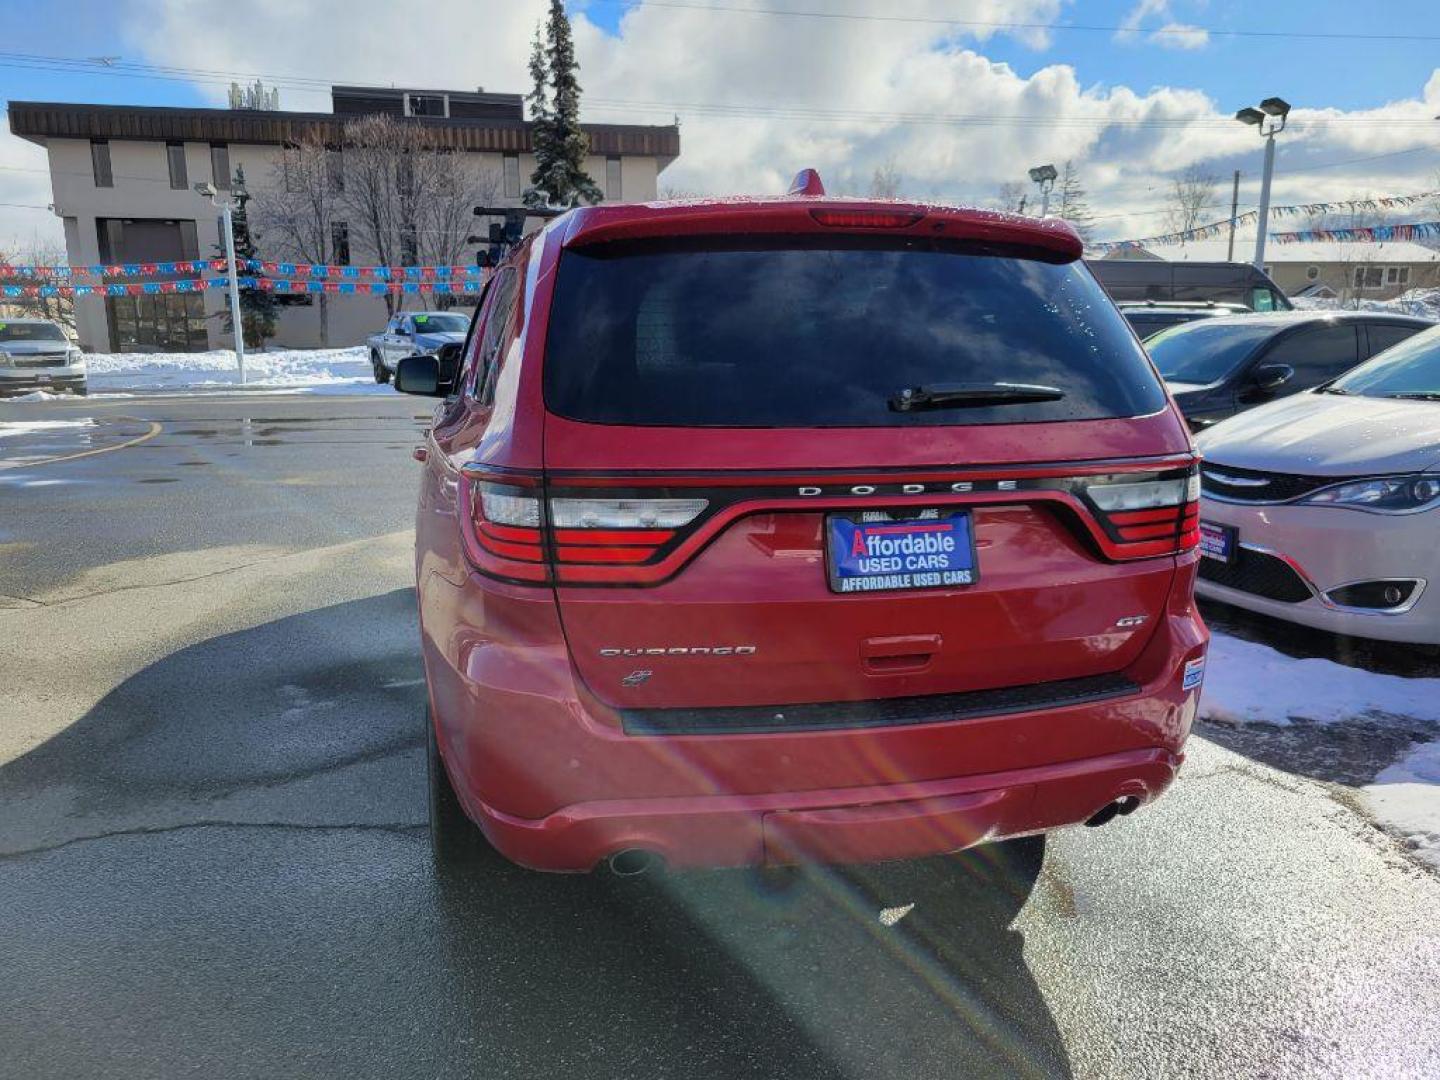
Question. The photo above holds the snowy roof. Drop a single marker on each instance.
(1395, 251)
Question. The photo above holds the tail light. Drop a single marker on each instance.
(617, 530)
(1148, 517)
(516, 529)
(514, 533)
(867, 219)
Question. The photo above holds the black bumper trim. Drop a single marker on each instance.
(878, 712)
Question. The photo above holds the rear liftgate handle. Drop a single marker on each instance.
(895, 655)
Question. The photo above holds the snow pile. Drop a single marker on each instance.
(345, 371)
(1424, 303)
(25, 427)
(1246, 683)
(1406, 796)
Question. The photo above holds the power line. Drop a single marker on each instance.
(989, 24)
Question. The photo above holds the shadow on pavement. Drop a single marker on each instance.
(763, 973)
(221, 869)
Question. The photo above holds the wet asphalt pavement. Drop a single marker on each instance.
(213, 858)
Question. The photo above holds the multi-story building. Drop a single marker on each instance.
(123, 179)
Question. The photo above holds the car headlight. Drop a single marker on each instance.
(1384, 494)
(5, 360)
(74, 357)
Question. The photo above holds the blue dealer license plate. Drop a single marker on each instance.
(1217, 541)
(876, 549)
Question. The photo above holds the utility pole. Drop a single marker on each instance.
(1234, 206)
(226, 205)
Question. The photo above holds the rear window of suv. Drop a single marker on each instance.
(808, 336)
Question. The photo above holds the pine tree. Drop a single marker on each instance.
(560, 146)
(1073, 207)
(258, 309)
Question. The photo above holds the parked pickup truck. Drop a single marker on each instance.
(412, 333)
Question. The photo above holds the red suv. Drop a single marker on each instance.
(760, 531)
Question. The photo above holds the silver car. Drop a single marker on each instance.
(36, 354)
(1324, 508)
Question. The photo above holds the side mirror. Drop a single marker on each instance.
(419, 375)
(1271, 376)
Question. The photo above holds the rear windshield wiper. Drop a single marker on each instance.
(971, 395)
(1417, 395)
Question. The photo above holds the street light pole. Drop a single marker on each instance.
(239, 327)
(1269, 121)
(1044, 177)
(1262, 221)
(227, 206)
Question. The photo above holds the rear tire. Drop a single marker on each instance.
(382, 373)
(454, 838)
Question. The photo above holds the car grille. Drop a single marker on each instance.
(1258, 573)
(884, 712)
(38, 359)
(1251, 485)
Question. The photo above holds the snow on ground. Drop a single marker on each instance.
(1406, 796)
(333, 371)
(25, 427)
(1248, 683)
(1422, 302)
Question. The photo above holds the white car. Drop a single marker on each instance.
(1324, 508)
(36, 354)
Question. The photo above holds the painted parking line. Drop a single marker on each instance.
(154, 428)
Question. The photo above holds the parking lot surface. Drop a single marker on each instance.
(214, 861)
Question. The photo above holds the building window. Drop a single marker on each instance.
(612, 178)
(512, 176)
(409, 249)
(1404, 278)
(1397, 275)
(220, 165)
(335, 169)
(340, 243)
(100, 162)
(427, 105)
(1369, 277)
(1312, 273)
(175, 155)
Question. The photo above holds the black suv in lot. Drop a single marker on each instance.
(1218, 367)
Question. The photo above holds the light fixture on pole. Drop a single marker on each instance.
(227, 205)
(1044, 176)
(1269, 121)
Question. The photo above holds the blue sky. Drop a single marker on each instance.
(640, 59)
(1229, 69)
(1338, 73)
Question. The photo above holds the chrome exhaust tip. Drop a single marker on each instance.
(632, 862)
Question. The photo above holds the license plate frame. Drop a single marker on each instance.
(961, 571)
(1219, 542)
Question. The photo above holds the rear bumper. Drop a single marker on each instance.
(847, 825)
(556, 783)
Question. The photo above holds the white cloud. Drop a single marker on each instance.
(841, 95)
(1174, 35)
